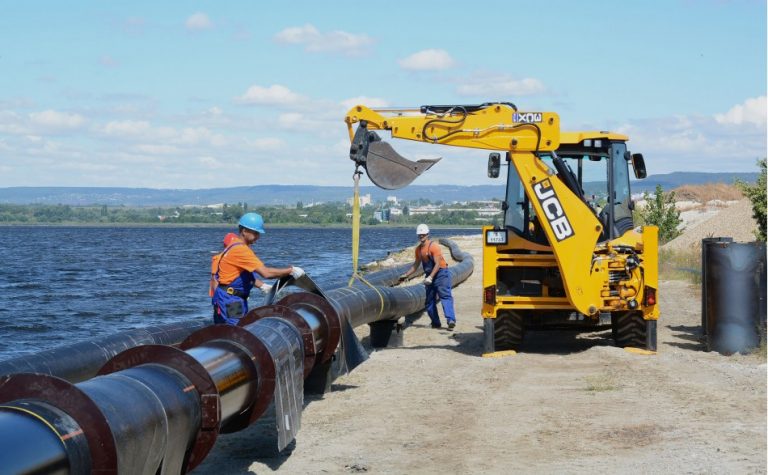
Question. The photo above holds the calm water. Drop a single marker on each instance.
(65, 284)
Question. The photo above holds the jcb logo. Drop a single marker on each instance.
(553, 210)
(527, 117)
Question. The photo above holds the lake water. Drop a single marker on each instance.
(61, 285)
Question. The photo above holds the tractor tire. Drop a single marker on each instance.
(630, 330)
(508, 330)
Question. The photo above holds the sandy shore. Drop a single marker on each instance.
(569, 403)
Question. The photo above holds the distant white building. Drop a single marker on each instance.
(427, 209)
(392, 199)
(364, 200)
(491, 209)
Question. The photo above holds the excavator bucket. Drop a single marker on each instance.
(389, 170)
(386, 168)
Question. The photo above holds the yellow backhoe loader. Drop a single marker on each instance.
(567, 253)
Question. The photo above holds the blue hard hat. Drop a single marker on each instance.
(252, 221)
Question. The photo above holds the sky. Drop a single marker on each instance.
(207, 94)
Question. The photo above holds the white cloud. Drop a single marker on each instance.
(752, 111)
(210, 162)
(198, 22)
(124, 128)
(57, 120)
(157, 149)
(315, 41)
(291, 120)
(371, 102)
(428, 60)
(500, 86)
(690, 143)
(267, 144)
(272, 95)
(12, 123)
(320, 124)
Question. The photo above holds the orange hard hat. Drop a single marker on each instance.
(230, 238)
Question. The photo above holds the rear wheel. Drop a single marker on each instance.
(631, 330)
(508, 331)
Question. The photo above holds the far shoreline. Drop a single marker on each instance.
(232, 225)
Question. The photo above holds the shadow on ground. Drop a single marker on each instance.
(555, 342)
(692, 336)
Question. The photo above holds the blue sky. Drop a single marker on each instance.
(201, 94)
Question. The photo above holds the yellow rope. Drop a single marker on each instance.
(355, 226)
(356, 241)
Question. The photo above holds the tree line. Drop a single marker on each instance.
(322, 214)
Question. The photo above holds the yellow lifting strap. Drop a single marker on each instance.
(356, 240)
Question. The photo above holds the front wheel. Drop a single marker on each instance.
(508, 331)
(629, 329)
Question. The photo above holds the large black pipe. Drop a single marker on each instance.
(159, 409)
(80, 361)
(362, 304)
(734, 292)
(704, 309)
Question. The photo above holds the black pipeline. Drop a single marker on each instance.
(80, 361)
(159, 409)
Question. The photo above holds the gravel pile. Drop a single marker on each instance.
(734, 221)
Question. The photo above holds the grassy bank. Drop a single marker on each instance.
(683, 264)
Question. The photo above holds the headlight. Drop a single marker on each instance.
(496, 237)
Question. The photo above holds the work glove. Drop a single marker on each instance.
(402, 277)
(296, 272)
(428, 281)
(265, 288)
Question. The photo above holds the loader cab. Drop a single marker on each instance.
(595, 167)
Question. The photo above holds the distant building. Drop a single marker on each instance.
(364, 200)
(419, 210)
(392, 199)
(491, 208)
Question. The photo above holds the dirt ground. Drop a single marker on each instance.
(568, 403)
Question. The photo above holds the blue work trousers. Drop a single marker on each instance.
(440, 287)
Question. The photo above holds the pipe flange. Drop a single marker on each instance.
(323, 307)
(286, 313)
(68, 398)
(193, 370)
(261, 361)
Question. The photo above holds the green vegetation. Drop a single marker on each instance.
(660, 211)
(318, 215)
(680, 264)
(756, 194)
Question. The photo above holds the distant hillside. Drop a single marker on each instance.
(290, 194)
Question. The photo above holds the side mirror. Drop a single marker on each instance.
(494, 164)
(638, 165)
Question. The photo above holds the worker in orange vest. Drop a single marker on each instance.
(437, 278)
(236, 270)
